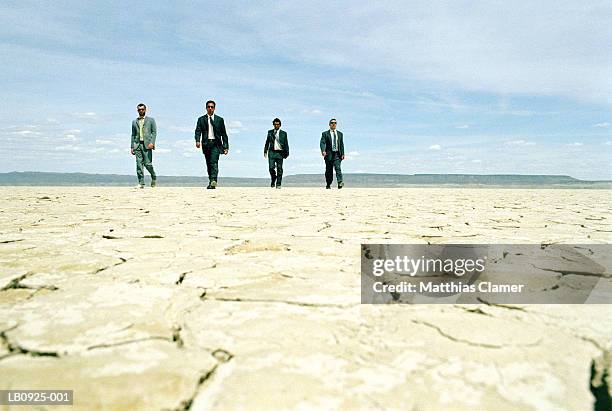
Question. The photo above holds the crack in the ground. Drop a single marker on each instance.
(471, 343)
(572, 272)
(99, 270)
(14, 348)
(182, 277)
(126, 342)
(506, 306)
(263, 300)
(222, 356)
(475, 310)
(176, 336)
(15, 284)
(326, 225)
(11, 241)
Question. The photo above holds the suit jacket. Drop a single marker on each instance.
(149, 131)
(326, 144)
(282, 139)
(201, 131)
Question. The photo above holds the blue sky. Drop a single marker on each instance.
(417, 86)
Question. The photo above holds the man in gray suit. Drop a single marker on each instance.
(276, 149)
(332, 149)
(144, 132)
(211, 130)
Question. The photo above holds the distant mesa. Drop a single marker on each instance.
(30, 178)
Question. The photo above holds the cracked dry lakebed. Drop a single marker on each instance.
(249, 298)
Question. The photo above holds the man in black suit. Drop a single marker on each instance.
(332, 149)
(276, 149)
(211, 129)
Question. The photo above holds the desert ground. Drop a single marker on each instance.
(249, 298)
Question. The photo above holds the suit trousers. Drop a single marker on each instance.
(330, 165)
(211, 153)
(275, 165)
(144, 158)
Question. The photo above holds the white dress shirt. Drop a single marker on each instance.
(331, 133)
(277, 144)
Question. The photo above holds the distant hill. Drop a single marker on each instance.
(309, 180)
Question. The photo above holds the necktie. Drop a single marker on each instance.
(211, 131)
(334, 147)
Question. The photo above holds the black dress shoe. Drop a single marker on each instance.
(273, 183)
(340, 185)
(209, 187)
(328, 187)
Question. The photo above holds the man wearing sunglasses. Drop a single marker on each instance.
(211, 130)
(144, 132)
(332, 149)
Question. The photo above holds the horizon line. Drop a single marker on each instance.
(318, 174)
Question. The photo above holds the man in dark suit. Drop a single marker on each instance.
(332, 149)
(211, 129)
(276, 149)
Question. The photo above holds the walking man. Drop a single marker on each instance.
(276, 149)
(211, 130)
(332, 149)
(144, 132)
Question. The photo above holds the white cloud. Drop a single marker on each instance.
(435, 147)
(353, 153)
(27, 133)
(492, 46)
(235, 124)
(162, 150)
(68, 148)
(182, 129)
(601, 125)
(313, 111)
(520, 143)
(463, 126)
(104, 142)
(90, 115)
(575, 144)
(609, 143)
(234, 127)
(476, 161)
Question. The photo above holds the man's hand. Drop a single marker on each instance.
(324, 153)
(151, 147)
(266, 155)
(132, 151)
(197, 144)
(225, 151)
(343, 157)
